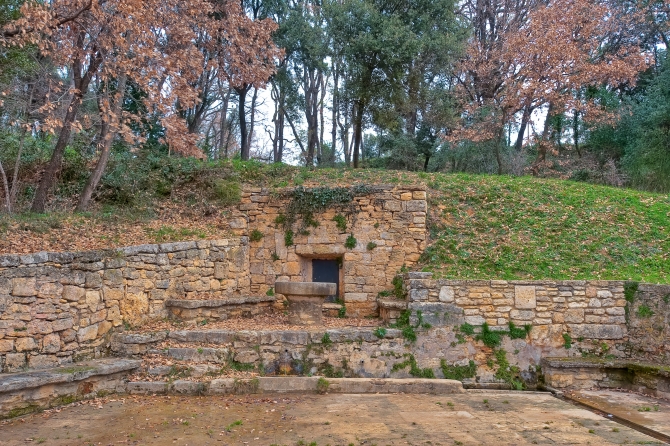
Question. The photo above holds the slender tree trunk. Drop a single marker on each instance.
(333, 132)
(358, 132)
(322, 127)
(252, 119)
(575, 132)
(110, 128)
(50, 174)
(295, 133)
(344, 131)
(544, 141)
(244, 146)
(5, 186)
(522, 128)
(224, 130)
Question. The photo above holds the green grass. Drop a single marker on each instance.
(528, 228)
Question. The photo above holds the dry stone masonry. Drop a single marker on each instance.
(58, 307)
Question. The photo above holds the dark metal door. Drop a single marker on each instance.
(327, 271)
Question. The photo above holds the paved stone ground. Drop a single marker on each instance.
(653, 413)
(336, 419)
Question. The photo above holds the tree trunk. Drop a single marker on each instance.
(252, 119)
(50, 174)
(575, 132)
(544, 141)
(109, 130)
(525, 117)
(244, 146)
(81, 83)
(358, 132)
(333, 132)
(5, 186)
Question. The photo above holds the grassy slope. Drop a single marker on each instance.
(508, 228)
(481, 226)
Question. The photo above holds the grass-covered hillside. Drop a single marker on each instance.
(480, 226)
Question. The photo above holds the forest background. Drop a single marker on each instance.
(98, 96)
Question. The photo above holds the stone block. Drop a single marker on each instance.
(24, 287)
(604, 294)
(25, 344)
(355, 297)
(446, 294)
(93, 280)
(524, 315)
(87, 333)
(474, 320)
(51, 343)
(574, 315)
(104, 327)
(596, 331)
(73, 293)
(524, 297)
(62, 324)
(15, 362)
(418, 295)
(92, 299)
(43, 361)
(6, 345)
(416, 206)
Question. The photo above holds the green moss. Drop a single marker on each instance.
(20, 411)
(72, 370)
(644, 312)
(630, 290)
(458, 372)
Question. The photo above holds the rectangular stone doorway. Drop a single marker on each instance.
(327, 270)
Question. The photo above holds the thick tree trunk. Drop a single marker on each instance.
(110, 128)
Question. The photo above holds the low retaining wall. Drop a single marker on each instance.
(56, 307)
(613, 319)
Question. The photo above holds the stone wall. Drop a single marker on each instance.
(567, 318)
(393, 218)
(56, 307)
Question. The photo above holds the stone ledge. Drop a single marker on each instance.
(392, 304)
(292, 384)
(213, 303)
(76, 372)
(598, 363)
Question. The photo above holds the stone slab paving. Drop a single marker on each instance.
(332, 419)
(652, 413)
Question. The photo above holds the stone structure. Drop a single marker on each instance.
(593, 315)
(305, 300)
(389, 226)
(56, 307)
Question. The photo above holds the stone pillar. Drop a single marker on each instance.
(305, 300)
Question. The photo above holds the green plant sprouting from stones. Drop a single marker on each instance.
(644, 312)
(458, 372)
(322, 385)
(255, 235)
(341, 222)
(567, 341)
(414, 369)
(506, 372)
(380, 332)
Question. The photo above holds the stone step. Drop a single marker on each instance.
(26, 392)
(191, 310)
(294, 384)
(134, 344)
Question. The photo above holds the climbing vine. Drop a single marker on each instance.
(305, 203)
